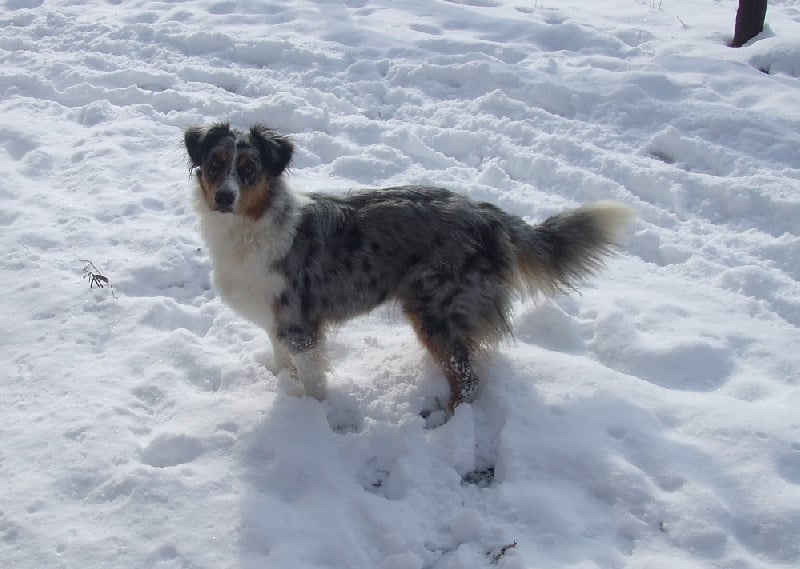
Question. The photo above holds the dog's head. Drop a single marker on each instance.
(237, 171)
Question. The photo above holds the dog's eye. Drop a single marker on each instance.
(214, 166)
(246, 171)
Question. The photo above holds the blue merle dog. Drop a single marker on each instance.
(297, 263)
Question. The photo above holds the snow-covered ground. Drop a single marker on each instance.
(651, 421)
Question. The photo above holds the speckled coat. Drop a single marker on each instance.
(295, 264)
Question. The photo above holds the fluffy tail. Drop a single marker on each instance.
(558, 254)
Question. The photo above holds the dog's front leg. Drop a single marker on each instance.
(280, 353)
(310, 365)
(306, 349)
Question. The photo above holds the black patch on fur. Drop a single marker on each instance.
(352, 239)
(435, 326)
(311, 253)
(459, 320)
(306, 228)
(307, 303)
(447, 301)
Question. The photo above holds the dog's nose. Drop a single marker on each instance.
(224, 199)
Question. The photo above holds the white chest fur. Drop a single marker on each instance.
(243, 254)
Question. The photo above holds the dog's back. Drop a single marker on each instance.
(400, 243)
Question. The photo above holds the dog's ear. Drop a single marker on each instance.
(193, 140)
(200, 141)
(276, 150)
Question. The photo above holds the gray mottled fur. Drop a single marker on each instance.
(452, 264)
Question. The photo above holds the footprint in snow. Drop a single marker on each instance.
(172, 450)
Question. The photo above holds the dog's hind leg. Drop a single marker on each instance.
(451, 354)
(457, 366)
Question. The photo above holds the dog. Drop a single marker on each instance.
(295, 264)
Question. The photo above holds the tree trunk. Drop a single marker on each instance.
(749, 21)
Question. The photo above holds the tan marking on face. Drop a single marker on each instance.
(254, 186)
(213, 172)
(208, 192)
(254, 200)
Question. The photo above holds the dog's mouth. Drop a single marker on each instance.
(223, 209)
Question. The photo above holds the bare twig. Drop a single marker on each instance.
(96, 278)
(500, 554)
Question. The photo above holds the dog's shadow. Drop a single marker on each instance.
(368, 456)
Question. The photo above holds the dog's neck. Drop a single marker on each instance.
(231, 238)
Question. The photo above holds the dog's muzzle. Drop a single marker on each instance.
(224, 200)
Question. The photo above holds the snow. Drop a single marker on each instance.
(649, 421)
